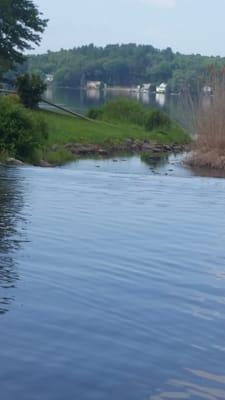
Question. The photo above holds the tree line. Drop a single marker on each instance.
(124, 65)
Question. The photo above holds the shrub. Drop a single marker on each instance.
(120, 109)
(59, 156)
(156, 118)
(30, 89)
(21, 131)
(130, 111)
(125, 110)
(95, 113)
(13, 99)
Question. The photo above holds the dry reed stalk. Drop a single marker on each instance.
(209, 126)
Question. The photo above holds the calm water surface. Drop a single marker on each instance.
(81, 101)
(112, 282)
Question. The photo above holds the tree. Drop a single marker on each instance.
(21, 132)
(30, 89)
(21, 24)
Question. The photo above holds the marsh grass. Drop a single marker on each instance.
(208, 114)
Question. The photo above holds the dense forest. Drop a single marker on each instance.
(124, 65)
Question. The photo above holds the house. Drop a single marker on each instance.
(96, 85)
(136, 88)
(146, 87)
(49, 78)
(207, 89)
(161, 88)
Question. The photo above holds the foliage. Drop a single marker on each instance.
(156, 118)
(65, 129)
(30, 89)
(20, 130)
(130, 111)
(124, 65)
(95, 113)
(20, 26)
(120, 109)
(59, 156)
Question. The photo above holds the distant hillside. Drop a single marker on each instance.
(127, 64)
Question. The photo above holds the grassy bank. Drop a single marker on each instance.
(64, 129)
(110, 132)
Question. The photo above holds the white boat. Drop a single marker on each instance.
(161, 88)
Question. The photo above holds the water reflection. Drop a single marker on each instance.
(82, 101)
(93, 94)
(10, 218)
(145, 97)
(160, 99)
(196, 387)
(155, 160)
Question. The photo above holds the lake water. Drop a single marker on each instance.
(81, 101)
(112, 282)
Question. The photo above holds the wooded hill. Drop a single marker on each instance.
(124, 65)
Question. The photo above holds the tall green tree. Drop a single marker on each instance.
(21, 25)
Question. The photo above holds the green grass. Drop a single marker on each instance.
(64, 129)
(35, 135)
(58, 157)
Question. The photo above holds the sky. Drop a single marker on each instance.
(187, 26)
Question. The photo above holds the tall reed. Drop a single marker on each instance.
(208, 114)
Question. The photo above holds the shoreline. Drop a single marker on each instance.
(211, 159)
(129, 147)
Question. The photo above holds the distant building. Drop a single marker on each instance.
(96, 85)
(161, 88)
(146, 87)
(49, 78)
(207, 89)
(136, 88)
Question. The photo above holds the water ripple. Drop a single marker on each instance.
(111, 284)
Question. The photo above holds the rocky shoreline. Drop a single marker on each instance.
(94, 150)
(129, 146)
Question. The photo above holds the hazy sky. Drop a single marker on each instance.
(188, 26)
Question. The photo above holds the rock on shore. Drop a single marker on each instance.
(13, 161)
(129, 145)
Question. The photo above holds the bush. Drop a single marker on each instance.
(95, 113)
(21, 131)
(13, 99)
(30, 89)
(122, 110)
(156, 118)
(130, 111)
(59, 156)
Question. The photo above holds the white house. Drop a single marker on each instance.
(146, 87)
(161, 88)
(207, 89)
(49, 78)
(96, 85)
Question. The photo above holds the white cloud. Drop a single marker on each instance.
(160, 3)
